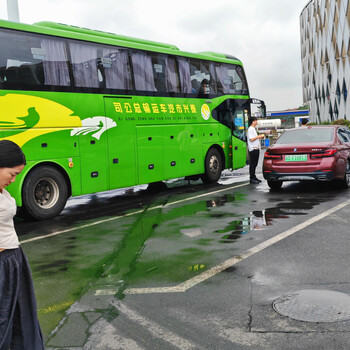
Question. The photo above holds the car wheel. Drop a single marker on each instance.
(275, 185)
(44, 193)
(213, 166)
(345, 183)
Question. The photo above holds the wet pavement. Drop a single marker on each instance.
(192, 267)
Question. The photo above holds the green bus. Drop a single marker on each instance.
(95, 111)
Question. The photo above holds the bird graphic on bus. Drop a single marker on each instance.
(24, 117)
(90, 125)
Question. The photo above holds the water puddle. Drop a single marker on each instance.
(259, 219)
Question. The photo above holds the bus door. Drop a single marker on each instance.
(241, 110)
(233, 114)
(121, 142)
(238, 127)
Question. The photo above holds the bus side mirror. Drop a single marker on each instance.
(260, 107)
(263, 110)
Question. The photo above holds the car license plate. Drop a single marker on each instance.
(296, 158)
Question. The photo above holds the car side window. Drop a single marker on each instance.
(348, 133)
(343, 135)
(346, 136)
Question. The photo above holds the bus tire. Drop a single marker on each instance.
(44, 193)
(213, 166)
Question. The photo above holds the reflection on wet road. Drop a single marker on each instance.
(136, 239)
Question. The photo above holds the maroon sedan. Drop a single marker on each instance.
(311, 153)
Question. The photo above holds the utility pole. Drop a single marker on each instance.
(12, 10)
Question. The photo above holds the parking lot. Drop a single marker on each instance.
(195, 267)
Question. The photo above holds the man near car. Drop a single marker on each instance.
(253, 148)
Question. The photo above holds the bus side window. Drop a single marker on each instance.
(240, 82)
(143, 71)
(20, 55)
(201, 71)
(12, 75)
(55, 65)
(230, 79)
(172, 75)
(158, 64)
(116, 68)
(84, 65)
(27, 74)
(223, 114)
(220, 78)
(213, 79)
(2, 76)
(231, 114)
(184, 75)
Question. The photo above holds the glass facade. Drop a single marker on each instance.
(325, 36)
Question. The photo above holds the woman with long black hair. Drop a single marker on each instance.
(19, 325)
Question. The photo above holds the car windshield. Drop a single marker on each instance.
(306, 135)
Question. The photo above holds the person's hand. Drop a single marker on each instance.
(261, 136)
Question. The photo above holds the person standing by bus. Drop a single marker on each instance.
(253, 148)
(19, 325)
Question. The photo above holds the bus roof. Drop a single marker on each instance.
(218, 55)
(99, 33)
(80, 33)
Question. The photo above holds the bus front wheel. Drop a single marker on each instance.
(44, 193)
(213, 166)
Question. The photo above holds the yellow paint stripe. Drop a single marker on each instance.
(55, 308)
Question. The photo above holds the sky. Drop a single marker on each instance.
(263, 34)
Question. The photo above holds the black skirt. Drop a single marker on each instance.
(19, 325)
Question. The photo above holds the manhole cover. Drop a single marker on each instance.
(314, 306)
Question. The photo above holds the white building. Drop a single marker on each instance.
(325, 48)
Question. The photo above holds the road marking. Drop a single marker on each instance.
(154, 328)
(104, 335)
(126, 215)
(183, 287)
(80, 227)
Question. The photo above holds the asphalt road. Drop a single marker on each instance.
(195, 267)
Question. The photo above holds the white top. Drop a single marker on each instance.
(8, 235)
(252, 145)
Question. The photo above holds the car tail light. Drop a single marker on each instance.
(330, 152)
(269, 155)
